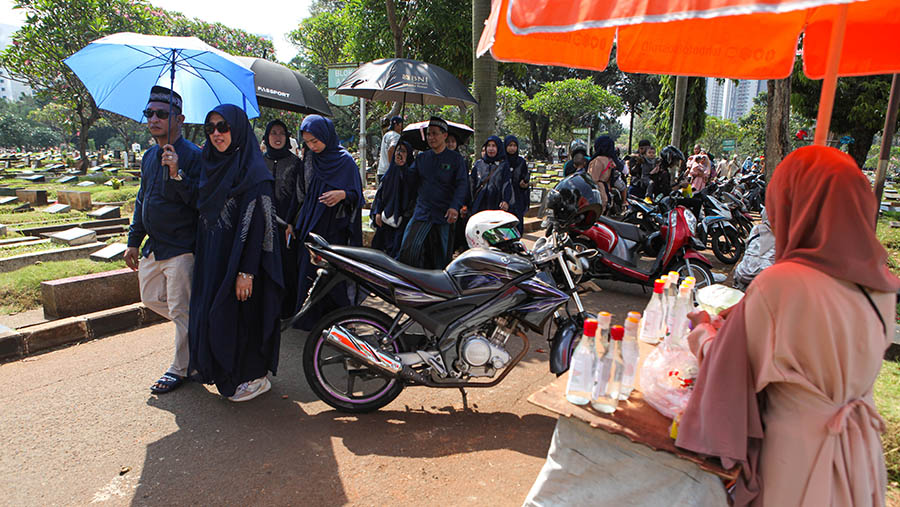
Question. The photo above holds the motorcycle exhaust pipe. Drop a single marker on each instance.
(360, 350)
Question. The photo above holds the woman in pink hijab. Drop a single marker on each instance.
(785, 383)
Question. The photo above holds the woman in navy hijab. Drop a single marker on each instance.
(237, 285)
(518, 168)
(332, 209)
(490, 179)
(393, 204)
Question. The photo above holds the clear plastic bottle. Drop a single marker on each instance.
(601, 340)
(630, 354)
(581, 369)
(651, 329)
(678, 323)
(605, 396)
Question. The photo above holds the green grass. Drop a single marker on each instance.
(125, 193)
(20, 290)
(38, 218)
(887, 399)
(13, 250)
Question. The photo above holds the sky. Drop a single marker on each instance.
(275, 23)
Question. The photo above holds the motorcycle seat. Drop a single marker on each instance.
(436, 282)
(627, 231)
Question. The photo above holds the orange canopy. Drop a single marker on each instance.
(740, 39)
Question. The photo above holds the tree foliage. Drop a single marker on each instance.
(55, 29)
(860, 104)
(573, 103)
(694, 111)
(19, 129)
(718, 130)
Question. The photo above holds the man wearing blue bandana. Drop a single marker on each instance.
(170, 225)
(440, 176)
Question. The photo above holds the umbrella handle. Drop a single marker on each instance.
(171, 97)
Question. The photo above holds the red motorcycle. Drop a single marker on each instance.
(624, 251)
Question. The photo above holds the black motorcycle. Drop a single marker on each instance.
(453, 328)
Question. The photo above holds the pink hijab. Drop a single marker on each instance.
(821, 209)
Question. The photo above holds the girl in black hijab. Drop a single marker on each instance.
(393, 204)
(285, 168)
(238, 284)
(520, 177)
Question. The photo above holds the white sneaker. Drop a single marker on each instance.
(249, 390)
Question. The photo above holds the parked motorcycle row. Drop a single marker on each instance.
(465, 326)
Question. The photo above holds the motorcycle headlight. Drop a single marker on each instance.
(691, 221)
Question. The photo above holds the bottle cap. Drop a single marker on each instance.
(673, 275)
(617, 332)
(604, 318)
(665, 279)
(632, 323)
(590, 327)
(634, 315)
(659, 286)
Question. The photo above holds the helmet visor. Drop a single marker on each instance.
(498, 235)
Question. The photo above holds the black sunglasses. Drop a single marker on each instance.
(162, 114)
(221, 126)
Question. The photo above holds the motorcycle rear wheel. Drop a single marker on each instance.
(701, 273)
(323, 363)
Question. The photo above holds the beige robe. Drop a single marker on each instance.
(815, 346)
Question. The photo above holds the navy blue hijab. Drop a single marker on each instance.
(277, 153)
(333, 169)
(234, 171)
(500, 153)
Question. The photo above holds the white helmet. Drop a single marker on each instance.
(490, 228)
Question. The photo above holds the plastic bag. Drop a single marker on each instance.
(715, 298)
(667, 378)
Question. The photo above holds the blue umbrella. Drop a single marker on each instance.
(118, 70)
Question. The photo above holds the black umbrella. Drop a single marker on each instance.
(407, 81)
(414, 134)
(282, 88)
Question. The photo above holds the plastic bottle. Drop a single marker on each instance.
(678, 322)
(651, 329)
(581, 369)
(601, 340)
(605, 396)
(671, 296)
(631, 355)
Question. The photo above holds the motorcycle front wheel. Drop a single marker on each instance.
(727, 245)
(702, 275)
(341, 381)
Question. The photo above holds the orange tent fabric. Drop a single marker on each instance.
(745, 39)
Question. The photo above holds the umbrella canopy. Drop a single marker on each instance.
(118, 70)
(407, 81)
(414, 133)
(741, 39)
(280, 87)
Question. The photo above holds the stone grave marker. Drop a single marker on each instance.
(68, 179)
(95, 169)
(2, 230)
(58, 208)
(86, 184)
(74, 236)
(22, 208)
(36, 178)
(894, 225)
(8, 191)
(110, 253)
(8, 200)
(112, 170)
(106, 212)
(34, 196)
(79, 200)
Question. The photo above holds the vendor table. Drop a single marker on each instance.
(625, 458)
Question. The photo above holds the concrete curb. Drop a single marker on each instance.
(25, 341)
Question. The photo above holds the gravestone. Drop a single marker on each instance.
(22, 208)
(58, 208)
(79, 200)
(8, 200)
(67, 179)
(74, 236)
(106, 212)
(95, 169)
(34, 196)
(36, 178)
(112, 170)
(110, 253)
(8, 191)
(86, 184)
(2, 230)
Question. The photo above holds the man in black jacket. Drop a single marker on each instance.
(170, 225)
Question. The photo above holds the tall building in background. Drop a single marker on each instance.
(10, 89)
(730, 100)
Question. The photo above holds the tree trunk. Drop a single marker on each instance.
(484, 79)
(538, 140)
(778, 115)
(630, 130)
(862, 143)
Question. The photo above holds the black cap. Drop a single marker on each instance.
(163, 94)
(395, 120)
(438, 122)
(643, 142)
